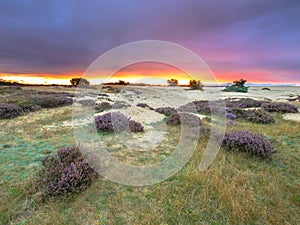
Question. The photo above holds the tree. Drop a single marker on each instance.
(196, 85)
(172, 82)
(237, 86)
(79, 81)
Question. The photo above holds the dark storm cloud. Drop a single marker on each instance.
(64, 36)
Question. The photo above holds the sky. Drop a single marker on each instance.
(52, 41)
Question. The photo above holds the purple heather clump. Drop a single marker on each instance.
(115, 121)
(196, 107)
(259, 116)
(9, 111)
(231, 123)
(186, 119)
(280, 107)
(64, 172)
(230, 116)
(144, 105)
(167, 111)
(245, 141)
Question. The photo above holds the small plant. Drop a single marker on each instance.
(115, 121)
(9, 111)
(245, 141)
(230, 116)
(65, 172)
(52, 102)
(280, 107)
(135, 126)
(167, 111)
(243, 103)
(144, 105)
(196, 107)
(102, 107)
(196, 85)
(259, 116)
(186, 119)
(87, 102)
(237, 86)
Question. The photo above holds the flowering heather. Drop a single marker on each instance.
(186, 119)
(259, 116)
(144, 105)
(102, 107)
(87, 102)
(230, 116)
(53, 102)
(243, 103)
(196, 106)
(135, 126)
(9, 111)
(245, 141)
(116, 121)
(279, 107)
(65, 172)
(167, 111)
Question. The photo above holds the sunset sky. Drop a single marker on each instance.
(52, 41)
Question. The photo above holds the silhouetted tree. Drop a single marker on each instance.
(196, 85)
(172, 82)
(79, 81)
(237, 86)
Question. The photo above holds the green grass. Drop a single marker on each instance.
(236, 189)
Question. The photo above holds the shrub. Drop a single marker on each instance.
(237, 86)
(245, 141)
(144, 105)
(102, 107)
(167, 111)
(53, 102)
(243, 103)
(9, 111)
(120, 104)
(115, 121)
(87, 102)
(65, 172)
(259, 116)
(186, 119)
(196, 106)
(196, 85)
(30, 108)
(279, 107)
(230, 116)
(135, 126)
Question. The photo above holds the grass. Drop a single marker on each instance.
(236, 189)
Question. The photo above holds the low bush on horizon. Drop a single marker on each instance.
(252, 143)
(64, 172)
(280, 107)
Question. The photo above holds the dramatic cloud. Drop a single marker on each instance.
(250, 37)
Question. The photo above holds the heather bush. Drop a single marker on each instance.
(186, 119)
(64, 172)
(144, 105)
(135, 126)
(279, 107)
(30, 108)
(259, 116)
(53, 102)
(167, 111)
(243, 103)
(87, 102)
(244, 141)
(115, 121)
(102, 107)
(230, 116)
(120, 104)
(196, 106)
(9, 111)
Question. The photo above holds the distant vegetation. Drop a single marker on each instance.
(196, 85)
(79, 81)
(172, 82)
(120, 82)
(237, 86)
